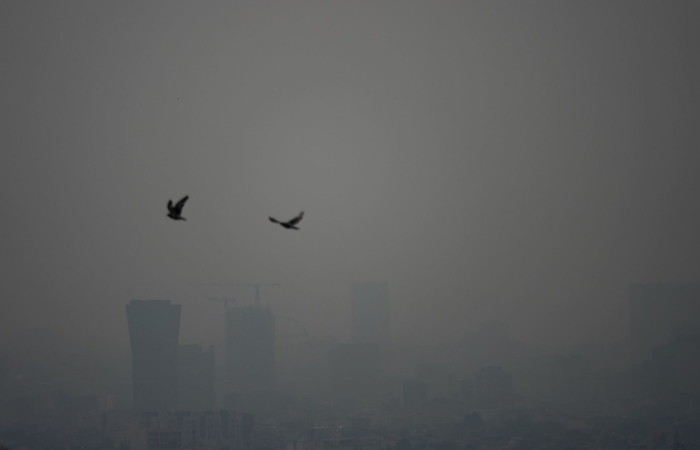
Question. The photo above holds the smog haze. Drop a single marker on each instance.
(523, 162)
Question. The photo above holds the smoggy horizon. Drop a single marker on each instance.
(491, 161)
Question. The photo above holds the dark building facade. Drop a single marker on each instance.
(154, 329)
(250, 349)
(370, 313)
(661, 311)
(196, 378)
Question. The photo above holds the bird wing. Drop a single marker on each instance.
(170, 206)
(181, 203)
(273, 220)
(297, 219)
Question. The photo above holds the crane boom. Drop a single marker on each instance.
(257, 287)
(225, 300)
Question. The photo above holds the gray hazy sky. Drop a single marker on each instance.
(522, 160)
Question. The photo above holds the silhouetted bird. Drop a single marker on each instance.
(174, 212)
(291, 225)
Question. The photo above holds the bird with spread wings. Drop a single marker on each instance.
(291, 224)
(175, 211)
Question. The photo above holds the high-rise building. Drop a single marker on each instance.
(196, 378)
(661, 311)
(250, 349)
(370, 313)
(154, 329)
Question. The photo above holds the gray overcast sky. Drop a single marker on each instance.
(516, 160)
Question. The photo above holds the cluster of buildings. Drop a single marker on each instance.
(171, 378)
(493, 395)
(167, 376)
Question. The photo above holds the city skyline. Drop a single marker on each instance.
(499, 234)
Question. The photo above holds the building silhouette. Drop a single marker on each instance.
(188, 429)
(370, 313)
(263, 404)
(196, 378)
(659, 312)
(250, 349)
(154, 329)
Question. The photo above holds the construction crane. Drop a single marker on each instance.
(225, 300)
(257, 287)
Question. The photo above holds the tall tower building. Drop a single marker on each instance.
(250, 349)
(370, 313)
(196, 378)
(154, 329)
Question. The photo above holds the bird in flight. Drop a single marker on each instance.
(290, 225)
(175, 211)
